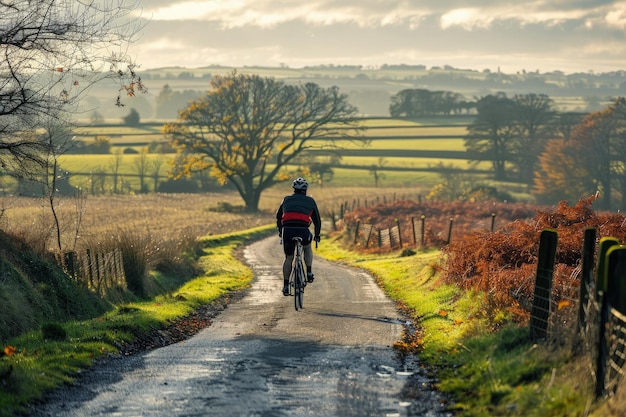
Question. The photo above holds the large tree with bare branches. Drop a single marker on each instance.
(248, 129)
(52, 51)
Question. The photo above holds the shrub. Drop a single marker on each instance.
(226, 207)
(100, 145)
(132, 118)
(143, 253)
(53, 331)
(183, 185)
(502, 264)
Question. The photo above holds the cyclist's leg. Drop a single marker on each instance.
(288, 247)
(308, 257)
(308, 261)
(287, 264)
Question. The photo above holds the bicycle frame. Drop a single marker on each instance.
(297, 279)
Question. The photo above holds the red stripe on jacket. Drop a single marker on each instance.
(289, 216)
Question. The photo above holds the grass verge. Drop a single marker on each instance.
(485, 367)
(39, 361)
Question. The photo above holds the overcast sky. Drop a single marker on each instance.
(544, 35)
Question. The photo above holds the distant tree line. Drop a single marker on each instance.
(416, 102)
(557, 155)
(592, 158)
(594, 89)
(554, 154)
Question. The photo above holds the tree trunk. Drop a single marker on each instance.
(251, 197)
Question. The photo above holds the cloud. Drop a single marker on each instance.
(541, 34)
(467, 18)
(266, 14)
(616, 17)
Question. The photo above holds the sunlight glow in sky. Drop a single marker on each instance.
(545, 35)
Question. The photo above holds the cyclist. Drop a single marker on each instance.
(293, 218)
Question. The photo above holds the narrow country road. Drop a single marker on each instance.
(262, 358)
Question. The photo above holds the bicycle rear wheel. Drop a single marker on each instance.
(298, 286)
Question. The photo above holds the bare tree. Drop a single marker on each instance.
(155, 167)
(490, 135)
(535, 117)
(52, 52)
(141, 165)
(376, 169)
(57, 139)
(248, 129)
(115, 165)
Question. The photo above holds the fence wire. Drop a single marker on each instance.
(97, 271)
(563, 308)
(564, 326)
(590, 329)
(616, 343)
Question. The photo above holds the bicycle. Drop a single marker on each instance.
(297, 279)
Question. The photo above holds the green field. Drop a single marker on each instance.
(394, 153)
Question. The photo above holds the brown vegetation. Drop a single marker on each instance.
(437, 216)
(161, 216)
(502, 264)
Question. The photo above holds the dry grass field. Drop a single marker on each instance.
(165, 216)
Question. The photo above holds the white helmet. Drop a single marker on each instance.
(300, 184)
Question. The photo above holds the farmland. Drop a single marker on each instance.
(401, 152)
(369, 89)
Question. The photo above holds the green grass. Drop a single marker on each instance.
(85, 164)
(414, 163)
(486, 372)
(389, 129)
(39, 365)
(394, 143)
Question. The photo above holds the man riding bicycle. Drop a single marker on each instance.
(293, 218)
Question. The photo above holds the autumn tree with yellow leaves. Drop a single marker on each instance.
(250, 131)
(592, 160)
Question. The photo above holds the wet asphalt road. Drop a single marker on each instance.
(262, 358)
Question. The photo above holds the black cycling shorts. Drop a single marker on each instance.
(290, 232)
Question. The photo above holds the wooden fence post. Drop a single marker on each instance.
(613, 298)
(119, 267)
(399, 233)
(356, 232)
(333, 220)
(423, 218)
(493, 221)
(606, 243)
(586, 276)
(91, 283)
(69, 262)
(369, 236)
(413, 230)
(540, 310)
(450, 230)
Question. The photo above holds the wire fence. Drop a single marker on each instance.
(598, 331)
(97, 271)
(584, 310)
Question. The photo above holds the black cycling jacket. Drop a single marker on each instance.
(298, 210)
